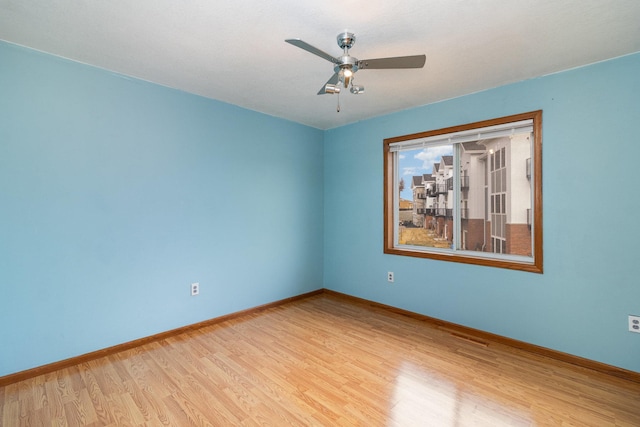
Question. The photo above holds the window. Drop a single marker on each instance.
(475, 193)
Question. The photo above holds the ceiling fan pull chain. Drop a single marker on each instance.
(338, 109)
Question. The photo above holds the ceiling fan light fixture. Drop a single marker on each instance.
(356, 90)
(345, 75)
(329, 88)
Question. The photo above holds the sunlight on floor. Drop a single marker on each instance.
(422, 398)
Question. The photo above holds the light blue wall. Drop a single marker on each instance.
(116, 194)
(591, 178)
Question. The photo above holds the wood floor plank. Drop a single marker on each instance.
(322, 361)
(90, 371)
(5, 400)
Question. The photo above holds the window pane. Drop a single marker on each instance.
(425, 176)
(503, 179)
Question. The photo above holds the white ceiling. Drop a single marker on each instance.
(234, 51)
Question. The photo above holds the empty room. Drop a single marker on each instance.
(319, 213)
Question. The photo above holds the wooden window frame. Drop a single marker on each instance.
(536, 265)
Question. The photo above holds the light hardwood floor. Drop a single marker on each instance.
(321, 361)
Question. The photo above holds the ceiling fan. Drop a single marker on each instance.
(346, 65)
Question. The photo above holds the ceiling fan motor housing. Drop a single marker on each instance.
(346, 62)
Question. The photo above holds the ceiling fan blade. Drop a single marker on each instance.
(415, 61)
(333, 80)
(306, 46)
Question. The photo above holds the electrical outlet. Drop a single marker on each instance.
(634, 323)
(390, 276)
(195, 289)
